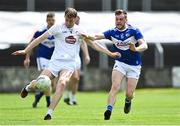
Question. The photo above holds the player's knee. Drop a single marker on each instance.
(32, 85)
(63, 82)
(60, 86)
(129, 94)
(115, 87)
(75, 78)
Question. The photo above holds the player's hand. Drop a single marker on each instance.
(87, 60)
(83, 35)
(19, 52)
(132, 47)
(115, 55)
(26, 63)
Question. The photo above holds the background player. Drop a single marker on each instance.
(43, 54)
(74, 81)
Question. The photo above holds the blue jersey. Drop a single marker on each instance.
(121, 40)
(45, 49)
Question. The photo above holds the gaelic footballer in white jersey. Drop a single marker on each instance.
(67, 45)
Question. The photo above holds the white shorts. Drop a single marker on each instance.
(129, 71)
(78, 63)
(55, 66)
(42, 63)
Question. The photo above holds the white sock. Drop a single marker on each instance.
(67, 94)
(50, 111)
(73, 98)
(27, 87)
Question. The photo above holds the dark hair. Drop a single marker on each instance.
(119, 11)
(70, 13)
(50, 14)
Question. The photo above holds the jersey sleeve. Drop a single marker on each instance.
(107, 34)
(138, 34)
(36, 34)
(54, 30)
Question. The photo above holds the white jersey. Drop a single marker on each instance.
(67, 42)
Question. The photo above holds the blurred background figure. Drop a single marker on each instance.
(43, 54)
(72, 87)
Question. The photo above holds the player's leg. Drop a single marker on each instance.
(64, 77)
(68, 91)
(41, 65)
(37, 97)
(116, 81)
(48, 96)
(48, 93)
(32, 85)
(133, 74)
(74, 84)
(131, 86)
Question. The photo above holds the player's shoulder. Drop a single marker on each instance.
(42, 29)
(112, 29)
(77, 27)
(57, 26)
(39, 31)
(132, 27)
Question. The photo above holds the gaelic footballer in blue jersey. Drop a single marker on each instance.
(43, 54)
(45, 48)
(129, 42)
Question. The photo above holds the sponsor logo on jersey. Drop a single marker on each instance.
(70, 40)
(122, 43)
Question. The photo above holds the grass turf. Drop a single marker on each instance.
(149, 107)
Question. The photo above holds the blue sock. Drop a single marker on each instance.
(110, 107)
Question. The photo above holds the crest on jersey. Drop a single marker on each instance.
(70, 39)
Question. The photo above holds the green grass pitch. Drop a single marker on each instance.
(149, 107)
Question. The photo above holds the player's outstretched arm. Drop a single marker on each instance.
(92, 38)
(31, 45)
(85, 51)
(27, 57)
(27, 61)
(102, 49)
